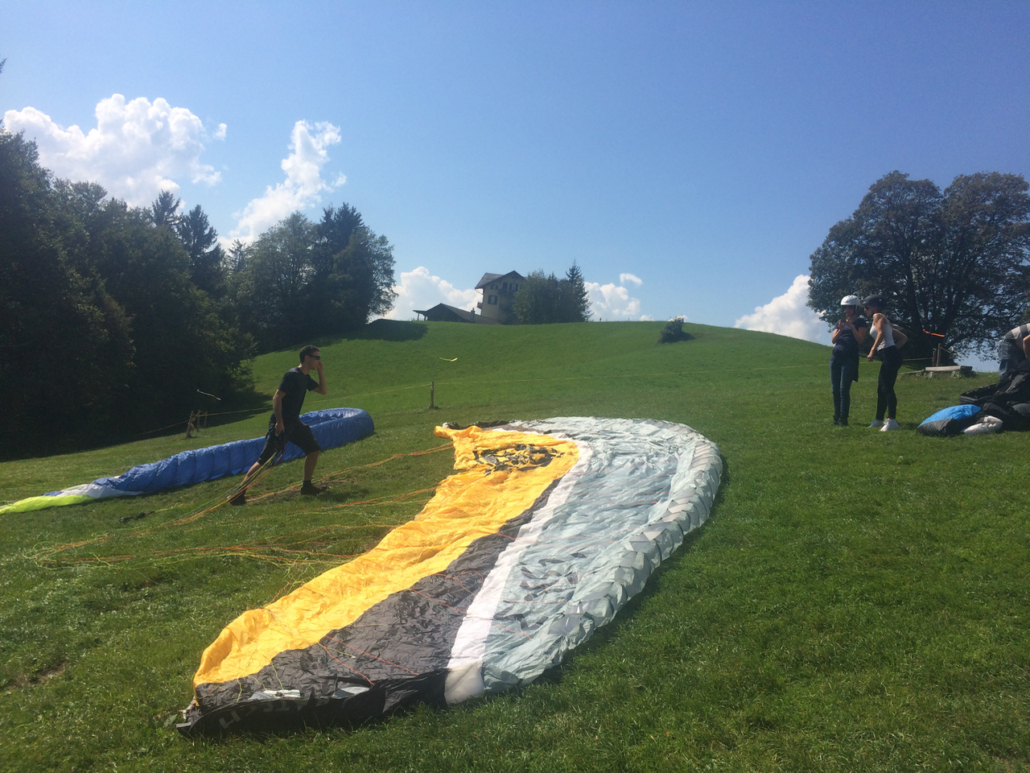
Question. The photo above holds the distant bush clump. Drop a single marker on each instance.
(673, 331)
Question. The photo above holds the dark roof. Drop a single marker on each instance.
(441, 312)
(488, 278)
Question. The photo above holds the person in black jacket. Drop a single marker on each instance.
(849, 333)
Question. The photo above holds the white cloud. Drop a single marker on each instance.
(303, 186)
(137, 149)
(788, 315)
(419, 289)
(613, 301)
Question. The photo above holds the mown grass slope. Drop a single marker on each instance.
(858, 600)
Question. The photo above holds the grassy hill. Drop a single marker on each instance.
(858, 600)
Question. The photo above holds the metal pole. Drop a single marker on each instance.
(432, 393)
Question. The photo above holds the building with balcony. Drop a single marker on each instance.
(499, 296)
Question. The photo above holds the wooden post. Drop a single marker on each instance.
(432, 393)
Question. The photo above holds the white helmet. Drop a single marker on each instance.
(850, 300)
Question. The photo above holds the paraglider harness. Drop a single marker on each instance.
(1008, 400)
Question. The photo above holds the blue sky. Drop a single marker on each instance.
(688, 156)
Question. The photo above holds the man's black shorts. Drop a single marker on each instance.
(297, 433)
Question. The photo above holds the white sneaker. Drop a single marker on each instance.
(875, 424)
(891, 424)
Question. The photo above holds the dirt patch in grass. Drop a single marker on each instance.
(21, 681)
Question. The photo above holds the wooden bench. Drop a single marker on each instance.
(955, 371)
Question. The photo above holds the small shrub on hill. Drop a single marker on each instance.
(673, 331)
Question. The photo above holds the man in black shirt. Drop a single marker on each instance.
(285, 425)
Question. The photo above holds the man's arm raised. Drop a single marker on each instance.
(321, 389)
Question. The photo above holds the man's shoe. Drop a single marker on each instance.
(239, 499)
(876, 424)
(310, 489)
(842, 422)
(890, 425)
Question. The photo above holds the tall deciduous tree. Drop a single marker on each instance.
(272, 302)
(365, 271)
(954, 264)
(302, 280)
(536, 302)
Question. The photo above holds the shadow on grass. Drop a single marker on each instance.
(390, 330)
(247, 404)
(673, 338)
(335, 494)
(48, 442)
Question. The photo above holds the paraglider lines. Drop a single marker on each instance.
(370, 655)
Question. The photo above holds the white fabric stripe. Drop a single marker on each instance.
(470, 642)
(647, 484)
(93, 490)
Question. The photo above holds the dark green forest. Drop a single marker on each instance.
(112, 317)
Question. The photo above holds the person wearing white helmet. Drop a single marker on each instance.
(847, 336)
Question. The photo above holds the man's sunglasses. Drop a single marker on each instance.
(314, 356)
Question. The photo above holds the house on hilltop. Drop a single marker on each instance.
(496, 306)
(499, 296)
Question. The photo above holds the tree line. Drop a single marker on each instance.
(545, 299)
(112, 317)
(953, 265)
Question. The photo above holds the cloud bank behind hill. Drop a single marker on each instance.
(788, 315)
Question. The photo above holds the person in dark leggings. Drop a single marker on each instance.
(887, 342)
(847, 336)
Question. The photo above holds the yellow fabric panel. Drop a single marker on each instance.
(466, 506)
(41, 503)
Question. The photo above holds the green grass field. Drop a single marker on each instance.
(857, 601)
